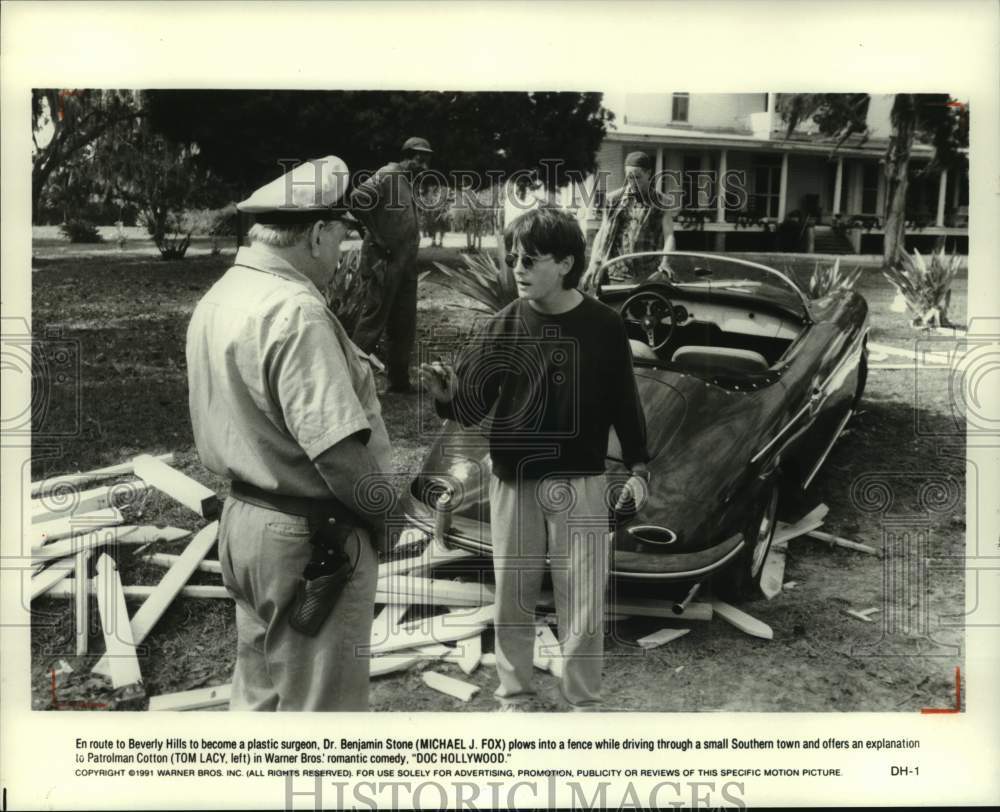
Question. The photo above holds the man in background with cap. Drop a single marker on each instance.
(283, 404)
(386, 204)
(635, 218)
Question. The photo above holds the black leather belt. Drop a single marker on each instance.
(316, 510)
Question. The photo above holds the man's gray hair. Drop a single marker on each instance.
(279, 236)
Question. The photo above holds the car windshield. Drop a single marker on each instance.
(708, 272)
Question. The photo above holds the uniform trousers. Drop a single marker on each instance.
(263, 553)
(392, 310)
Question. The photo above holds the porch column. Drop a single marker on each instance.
(838, 182)
(720, 189)
(942, 188)
(880, 196)
(659, 168)
(703, 197)
(783, 187)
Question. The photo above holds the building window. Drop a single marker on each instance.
(767, 186)
(679, 109)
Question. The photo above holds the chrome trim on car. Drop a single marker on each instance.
(636, 530)
(816, 394)
(683, 576)
(829, 448)
(782, 432)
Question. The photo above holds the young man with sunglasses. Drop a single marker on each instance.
(555, 372)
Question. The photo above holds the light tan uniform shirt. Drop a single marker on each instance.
(274, 380)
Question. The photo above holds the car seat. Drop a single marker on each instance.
(719, 360)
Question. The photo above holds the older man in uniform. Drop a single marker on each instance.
(284, 405)
(386, 204)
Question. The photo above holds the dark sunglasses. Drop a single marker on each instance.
(527, 260)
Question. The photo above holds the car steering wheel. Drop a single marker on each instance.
(653, 314)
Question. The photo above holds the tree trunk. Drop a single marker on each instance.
(897, 162)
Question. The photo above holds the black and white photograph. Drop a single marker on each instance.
(416, 398)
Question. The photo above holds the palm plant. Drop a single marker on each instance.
(347, 294)
(828, 279)
(485, 278)
(926, 287)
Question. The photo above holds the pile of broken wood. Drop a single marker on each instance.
(69, 526)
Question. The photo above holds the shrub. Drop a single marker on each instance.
(485, 279)
(81, 231)
(926, 288)
(347, 294)
(827, 279)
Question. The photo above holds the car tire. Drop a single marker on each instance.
(741, 580)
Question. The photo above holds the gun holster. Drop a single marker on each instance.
(327, 572)
(329, 568)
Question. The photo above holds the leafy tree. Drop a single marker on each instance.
(161, 178)
(66, 123)
(242, 135)
(930, 117)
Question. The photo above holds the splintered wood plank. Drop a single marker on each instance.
(389, 663)
(434, 650)
(64, 589)
(154, 607)
(192, 700)
(76, 525)
(785, 532)
(859, 615)
(46, 486)
(126, 534)
(661, 638)
(773, 575)
(742, 621)
(431, 591)
(48, 578)
(118, 643)
(434, 555)
(81, 603)
(471, 653)
(439, 629)
(449, 685)
(387, 621)
(178, 486)
(837, 541)
(86, 502)
(168, 560)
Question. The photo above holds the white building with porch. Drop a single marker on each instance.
(740, 184)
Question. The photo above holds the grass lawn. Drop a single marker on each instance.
(122, 317)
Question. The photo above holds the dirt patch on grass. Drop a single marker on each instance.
(125, 316)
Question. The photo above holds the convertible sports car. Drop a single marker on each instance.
(746, 385)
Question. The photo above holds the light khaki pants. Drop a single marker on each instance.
(263, 553)
(565, 519)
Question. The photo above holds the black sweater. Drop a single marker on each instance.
(557, 382)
